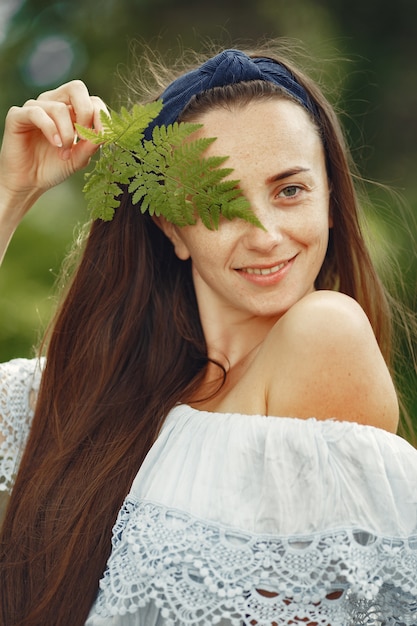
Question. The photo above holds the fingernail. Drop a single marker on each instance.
(58, 141)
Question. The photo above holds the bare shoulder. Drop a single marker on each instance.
(322, 360)
(336, 314)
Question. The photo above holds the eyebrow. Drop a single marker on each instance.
(286, 174)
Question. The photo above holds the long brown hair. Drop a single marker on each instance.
(125, 346)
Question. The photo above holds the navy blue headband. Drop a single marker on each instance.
(226, 68)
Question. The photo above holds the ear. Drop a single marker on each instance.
(174, 235)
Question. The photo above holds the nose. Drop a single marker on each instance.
(263, 240)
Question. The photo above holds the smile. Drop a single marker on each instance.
(265, 271)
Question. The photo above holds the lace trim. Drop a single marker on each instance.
(20, 379)
(198, 572)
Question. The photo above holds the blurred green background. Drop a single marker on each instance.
(365, 55)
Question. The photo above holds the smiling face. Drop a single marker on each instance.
(278, 157)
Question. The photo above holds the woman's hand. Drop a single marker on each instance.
(40, 148)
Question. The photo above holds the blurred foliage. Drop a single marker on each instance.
(366, 59)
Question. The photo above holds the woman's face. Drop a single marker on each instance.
(276, 153)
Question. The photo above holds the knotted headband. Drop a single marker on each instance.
(226, 68)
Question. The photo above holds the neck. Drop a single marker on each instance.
(231, 338)
(233, 343)
(230, 333)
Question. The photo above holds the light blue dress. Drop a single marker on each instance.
(245, 519)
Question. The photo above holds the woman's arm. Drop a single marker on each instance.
(40, 150)
(323, 361)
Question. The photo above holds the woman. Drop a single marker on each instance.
(222, 399)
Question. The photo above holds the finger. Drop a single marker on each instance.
(66, 92)
(99, 106)
(60, 114)
(81, 154)
(76, 95)
(27, 118)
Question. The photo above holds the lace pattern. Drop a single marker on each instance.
(198, 572)
(19, 384)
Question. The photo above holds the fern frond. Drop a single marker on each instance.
(168, 176)
(175, 134)
(90, 134)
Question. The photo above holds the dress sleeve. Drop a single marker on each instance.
(19, 385)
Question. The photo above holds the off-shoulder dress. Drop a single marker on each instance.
(240, 519)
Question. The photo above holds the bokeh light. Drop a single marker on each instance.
(7, 9)
(51, 60)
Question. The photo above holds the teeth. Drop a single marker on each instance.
(264, 272)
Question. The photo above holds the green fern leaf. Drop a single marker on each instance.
(90, 134)
(169, 176)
